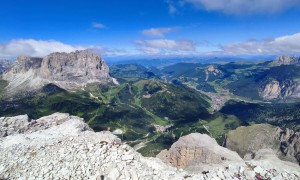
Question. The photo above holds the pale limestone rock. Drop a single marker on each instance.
(13, 125)
(212, 71)
(286, 60)
(272, 90)
(200, 150)
(64, 147)
(67, 70)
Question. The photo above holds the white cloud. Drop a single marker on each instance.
(33, 47)
(98, 25)
(289, 44)
(242, 7)
(172, 7)
(39, 48)
(158, 32)
(165, 46)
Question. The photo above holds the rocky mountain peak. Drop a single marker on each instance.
(67, 70)
(212, 70)
(78, 66)
(275, 90)
(286, 60)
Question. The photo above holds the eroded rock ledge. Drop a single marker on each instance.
(61, 146)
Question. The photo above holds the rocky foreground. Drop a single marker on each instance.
(61, 146)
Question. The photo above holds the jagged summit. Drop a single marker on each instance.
(67, 70)
(286, 60)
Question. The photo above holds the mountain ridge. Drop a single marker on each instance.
(67, 70)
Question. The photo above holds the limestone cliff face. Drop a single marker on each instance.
(275, 90)
(286, 60)
(197, 150)
(67, 70)
(79, 67)
(212, 71)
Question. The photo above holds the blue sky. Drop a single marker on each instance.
(147, 28)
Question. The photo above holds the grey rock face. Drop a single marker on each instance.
(275, 90)
(21, 124)
(67, 70)
(286, 60)
(13, 125)
(5, 64)
(197, 150)
(79, 67)
(289, 145)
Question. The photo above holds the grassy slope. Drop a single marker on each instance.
(120, 107)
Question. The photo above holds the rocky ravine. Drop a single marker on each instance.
(61, 146)
(67, 70)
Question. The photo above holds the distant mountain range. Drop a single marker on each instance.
(160, 61)
(152, 106)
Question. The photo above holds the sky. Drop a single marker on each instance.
(148, 28)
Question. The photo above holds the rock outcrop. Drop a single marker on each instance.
(61, 146)
(5, 64)
(247, 141)
(196, 151)
(212, 71)
(67, 70)
(275, 90)
(13, 125)
(289, 145)
(285, 60)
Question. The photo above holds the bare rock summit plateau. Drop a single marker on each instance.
(67, 70)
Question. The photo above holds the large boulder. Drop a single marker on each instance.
(289, 145)
(198, 151)
(22, 124)
(13, 125)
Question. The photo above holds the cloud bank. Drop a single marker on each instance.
(165, 46)
(244, 7)
(289, 44)
(158, 32)
(36, 48)
(98, 25)
(41, 48)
